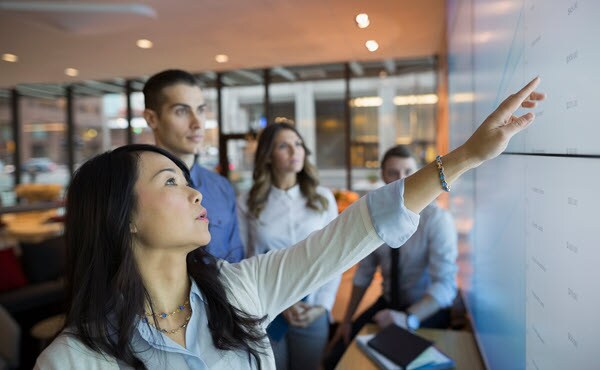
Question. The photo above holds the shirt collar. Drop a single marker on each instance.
(292, 193)
(195, 291)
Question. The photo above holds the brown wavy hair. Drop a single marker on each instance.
(307, 179)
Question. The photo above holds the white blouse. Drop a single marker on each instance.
(284, 221)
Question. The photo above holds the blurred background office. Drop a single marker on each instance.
(355, 78)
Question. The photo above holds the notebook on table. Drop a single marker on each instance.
(395, 348)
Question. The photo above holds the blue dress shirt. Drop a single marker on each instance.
(218, 198)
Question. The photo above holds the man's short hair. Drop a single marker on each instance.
(153, 89)
(401, 151)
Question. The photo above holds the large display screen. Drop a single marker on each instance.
(531, 216)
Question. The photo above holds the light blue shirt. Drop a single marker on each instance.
(177, 355)
(427, 262)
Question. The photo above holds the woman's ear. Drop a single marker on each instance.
(132, 229)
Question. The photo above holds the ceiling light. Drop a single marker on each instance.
(362, 20)
(144, 44)
(372, 45)
(71, 72)
(366, 101)
(221, 58)
(10, 58)
(465, 97)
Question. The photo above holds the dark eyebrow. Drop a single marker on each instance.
(186, 105)
(164, 170)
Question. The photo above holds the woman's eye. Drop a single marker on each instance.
(171, 181)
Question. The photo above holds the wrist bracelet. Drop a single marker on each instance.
(440, 166)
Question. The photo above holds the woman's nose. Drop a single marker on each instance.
(197, 197)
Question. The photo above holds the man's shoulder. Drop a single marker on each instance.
(210, 178)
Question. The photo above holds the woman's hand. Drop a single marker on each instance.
(487, 142)
(302, 314)
(494, 134)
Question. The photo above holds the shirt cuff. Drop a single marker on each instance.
(444, 295)
(393, 222)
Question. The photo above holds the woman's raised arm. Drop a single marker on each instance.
(487, 142)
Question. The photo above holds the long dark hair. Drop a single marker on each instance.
(308, 179)
(105, 290)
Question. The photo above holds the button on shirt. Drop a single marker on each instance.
(284, 221)
(262, 285)
(218, 198)
(428, 261)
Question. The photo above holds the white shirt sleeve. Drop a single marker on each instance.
(325, 296)
(269, 283)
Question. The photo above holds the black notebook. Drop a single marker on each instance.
(397, 348)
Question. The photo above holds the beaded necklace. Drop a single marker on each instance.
(164, 315)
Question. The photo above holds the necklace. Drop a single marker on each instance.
(172, 331)
(164, 315)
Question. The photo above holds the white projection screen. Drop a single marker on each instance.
(529, 219)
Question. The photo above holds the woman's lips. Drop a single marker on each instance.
(203, 216)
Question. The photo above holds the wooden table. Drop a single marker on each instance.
(459, 345)
(31, 226)
(45, 330)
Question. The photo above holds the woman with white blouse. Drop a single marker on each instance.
(283, 207)
(143, 295)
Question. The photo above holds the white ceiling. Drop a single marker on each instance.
(188, 34)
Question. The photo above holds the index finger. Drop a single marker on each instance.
(514, 101)
(537, 96)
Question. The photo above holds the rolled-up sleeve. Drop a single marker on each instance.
(388, 213)
(443, 250)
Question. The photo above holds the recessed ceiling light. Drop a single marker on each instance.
(71, 72)
(10, 58)
(221, 58)
(362, 20)
(144, 44)
(372, 45)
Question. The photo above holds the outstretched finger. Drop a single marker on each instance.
(528, 104)
(519, 123)
(513, 102)
(537, 96)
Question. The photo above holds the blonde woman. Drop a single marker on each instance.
(284, 206)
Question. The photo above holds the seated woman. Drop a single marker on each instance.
(283, 207)
(144, 296)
